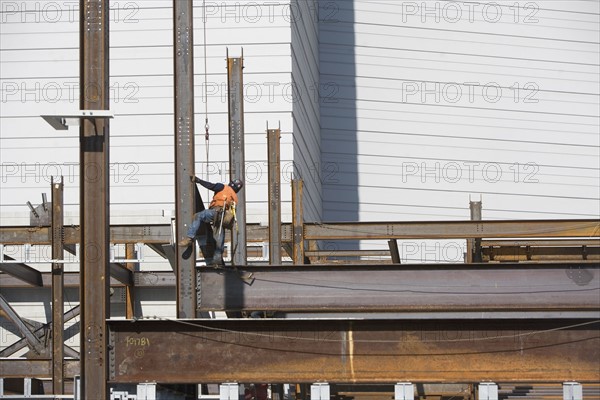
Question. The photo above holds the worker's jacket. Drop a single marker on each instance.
(225, 198)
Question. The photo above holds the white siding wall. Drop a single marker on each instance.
(40, 75)
(437, 101)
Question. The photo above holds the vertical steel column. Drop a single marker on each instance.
(235, 98)
(184, 153)
(94, 197)
(298, 221)
(130, 254)
(273, 156)
(475, 208)
(58, 304)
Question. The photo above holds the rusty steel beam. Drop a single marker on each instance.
(406, 288)
(452, 229)
(354, 351)
(58, 301)
(297, 221)
(71, 279)
(33, 341)
(23, 272)
(534, 253)
(473, 253)
(161, 234)
(121, 273)
(274, 185)
(39, 368)
(543, 243)
(183, 49)
(94, 196)
(130, 254)
(237, 163)
(39, 333)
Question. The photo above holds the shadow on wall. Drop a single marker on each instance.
(338, 114)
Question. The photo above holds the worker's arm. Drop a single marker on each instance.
(215, 187)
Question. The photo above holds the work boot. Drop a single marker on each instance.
(185, 242)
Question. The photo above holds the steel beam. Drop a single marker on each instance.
(184, 152)
(71, 279)
(237, 163)
(23, 272)
(130, 254)
(274, 185)
(161, 234)
(406, 288)
(474, 245)
(39, 333)
(32, 340)
(40, 368)
(121, 273)
(297, 221)
(452, 229)
(354, 351)
(58, 301)
(535, 253)
(94, 196)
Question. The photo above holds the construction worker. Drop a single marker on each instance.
(218, 213)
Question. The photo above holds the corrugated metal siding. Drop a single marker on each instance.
(437, 102)
(305, 75)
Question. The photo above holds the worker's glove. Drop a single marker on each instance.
(194, 179)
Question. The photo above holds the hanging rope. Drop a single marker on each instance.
(206, 125)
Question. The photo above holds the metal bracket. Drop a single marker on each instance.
(62, 122)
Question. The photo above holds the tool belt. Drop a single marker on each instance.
(225, 217)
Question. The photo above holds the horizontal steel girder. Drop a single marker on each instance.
(161, 234)
(353, 351)
(404, 288)
(38, 368)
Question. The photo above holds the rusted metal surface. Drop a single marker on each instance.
(33, 341)
(452, 229)
(473, 253)
(161, 234)
(130, 254)
(237, 163)
(23, 272)
(274, 170)
(183, 48)
(41, 368)
(40, 333)
(416, 287)
(58, 301)
(71, 279)
(354, 351)
(297, 221)
(536, 253)
(94, 195)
